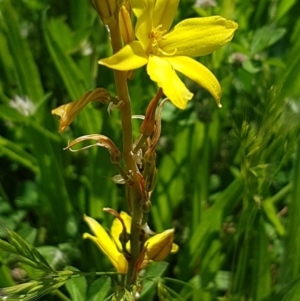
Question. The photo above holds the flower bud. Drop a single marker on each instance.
(106, 10)
(126, 28)
(148, 125)
(151, 178)
(159, 246)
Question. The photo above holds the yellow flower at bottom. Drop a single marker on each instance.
(106, 245)
(164, 50)
(156, 248)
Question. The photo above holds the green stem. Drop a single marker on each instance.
(133, 193)
(61, 296)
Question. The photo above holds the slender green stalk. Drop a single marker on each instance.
(61, 296)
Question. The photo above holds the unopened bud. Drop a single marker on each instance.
(148, 125)
(159, 246)
(106, 10)
(151, 179)
(145, 206)
(126, 28)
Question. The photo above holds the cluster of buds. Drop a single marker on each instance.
(106, 10)
(110, 10)
(146, 146)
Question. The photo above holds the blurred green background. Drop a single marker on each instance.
(228, 179)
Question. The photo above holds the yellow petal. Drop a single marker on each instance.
(143, 10)
(127, 220)
(162, 72)
(164, 13)
(117, 228)
(140, 7)
(130, 57)
(198, 36)
(198, 73)
(106, 245)
(175, 248)
(160, 245)
(105, 242)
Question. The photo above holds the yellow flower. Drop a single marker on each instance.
(165, 51)
(106, 244)
(156, 248)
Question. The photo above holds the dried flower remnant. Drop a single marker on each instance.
(101, 140)
(69, 111)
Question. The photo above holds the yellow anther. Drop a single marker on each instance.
(156, 36)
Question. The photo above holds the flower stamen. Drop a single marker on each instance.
(155, 37)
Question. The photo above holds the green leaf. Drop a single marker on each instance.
(249, 66)
(273, 217)
(25, 69)
(283, 8)
(151, 278)
(68, 70)
(67, 39)
(291, 264)
(261, 275)
(264, 37)
(163, 293)
(211, 222)
(11, 114)
(77, 287)
(99, 289)
(54, 256)
(289, 292)
(17, 154)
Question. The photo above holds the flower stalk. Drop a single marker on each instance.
(131, 245)
(133, 192)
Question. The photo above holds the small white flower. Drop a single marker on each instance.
(25, 106)
(205, 3)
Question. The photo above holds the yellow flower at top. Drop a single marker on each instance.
(164, 50)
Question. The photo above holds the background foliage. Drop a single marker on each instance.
(229, 179)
